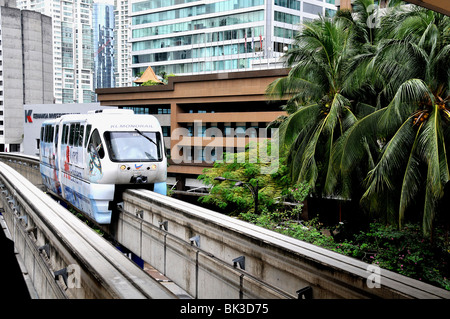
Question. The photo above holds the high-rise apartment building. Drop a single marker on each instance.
(103, 25)
(73, 53)
(194, 36)
(122, 49)
(26, 72)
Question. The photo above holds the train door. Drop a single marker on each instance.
(55, 147)
(76, 155)
(64, 157)
(55, 160)
(95, 152)
(86, 156)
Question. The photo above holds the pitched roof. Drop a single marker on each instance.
(148, 75)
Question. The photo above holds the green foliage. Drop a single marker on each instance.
(246, 167)
(369, 110)
(405, 251)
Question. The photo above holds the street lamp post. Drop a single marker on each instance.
(253, 189)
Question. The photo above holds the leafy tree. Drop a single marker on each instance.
(319, 113)
(411, 131)
(330, 89)
(247, 167)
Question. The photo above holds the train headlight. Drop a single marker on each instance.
(123, 167)
(153, 167)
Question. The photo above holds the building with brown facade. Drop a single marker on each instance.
(201, 114)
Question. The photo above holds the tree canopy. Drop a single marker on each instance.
(369, 109)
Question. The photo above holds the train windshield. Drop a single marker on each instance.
(134, 146)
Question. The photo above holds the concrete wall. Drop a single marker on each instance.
(37, 57)
(12, 74)
(27, 63)
(277, 260)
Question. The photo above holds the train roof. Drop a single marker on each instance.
(112, 119)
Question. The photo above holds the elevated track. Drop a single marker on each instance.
(207, 254)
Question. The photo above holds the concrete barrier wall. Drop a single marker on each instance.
(62, 255)
(284, 263)
(28, 166)
(199, 273)
(44, 284)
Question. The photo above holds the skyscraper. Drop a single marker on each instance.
(193, 36)
(121, 45)
(26, 73)
(103, 25)
(73, 52)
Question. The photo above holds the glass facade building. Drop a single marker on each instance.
(193, 36)
(103, 27)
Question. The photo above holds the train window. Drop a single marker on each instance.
(97, 143)
(52, 133)
(134, 146)
(42, 133)
(56, 135)
(80, 139)
(64, 134)
(76, 134)
(71, 134)
(88, 132)
(66, 139)
(47, 133)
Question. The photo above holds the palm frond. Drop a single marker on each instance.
(297, 122)
(404, 103)
(411, 180)
(348, 153)
(380, 178)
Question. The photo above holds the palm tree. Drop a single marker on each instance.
(412, 132)
(318, 111)
(329, 89)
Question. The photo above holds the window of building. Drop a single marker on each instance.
(312, 8)
(164, 110)
(200, 24)
(166, 131)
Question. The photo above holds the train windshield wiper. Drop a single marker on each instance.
(148, 138)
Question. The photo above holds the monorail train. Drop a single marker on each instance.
(90, 159)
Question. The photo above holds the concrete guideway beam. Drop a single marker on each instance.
(275, 259)
(54, 244)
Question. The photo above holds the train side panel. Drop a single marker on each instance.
(88, 158)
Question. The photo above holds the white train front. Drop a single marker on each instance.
(90, 159)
